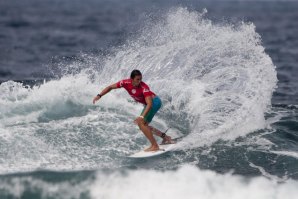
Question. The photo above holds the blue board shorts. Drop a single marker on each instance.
(156, 104)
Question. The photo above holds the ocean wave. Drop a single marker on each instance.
(215, 81)
(185, 182)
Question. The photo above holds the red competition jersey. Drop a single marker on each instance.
(138, 93)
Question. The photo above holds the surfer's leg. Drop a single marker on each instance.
(148, 118)
(156, 104)
(165, 138)
(147, 132)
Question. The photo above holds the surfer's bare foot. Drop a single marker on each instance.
(168, 140)
(152, 148)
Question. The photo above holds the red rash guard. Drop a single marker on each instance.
(138, 93)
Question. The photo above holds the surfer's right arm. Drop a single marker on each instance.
(104, 91)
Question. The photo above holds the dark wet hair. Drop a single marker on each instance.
(135, 73)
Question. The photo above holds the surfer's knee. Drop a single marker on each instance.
(141, 124)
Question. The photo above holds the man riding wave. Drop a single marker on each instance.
(141, 93)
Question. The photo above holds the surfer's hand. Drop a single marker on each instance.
(96, 98)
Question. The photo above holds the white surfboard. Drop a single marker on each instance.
(164, 148)
(146, 154)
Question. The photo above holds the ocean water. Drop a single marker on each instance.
(226, 72)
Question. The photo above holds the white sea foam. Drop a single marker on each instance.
(16, 187)
(293, 154)
(188, 182)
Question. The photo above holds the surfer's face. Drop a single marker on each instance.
(137, 80)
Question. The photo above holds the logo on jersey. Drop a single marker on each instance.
(133, 91)
(145, 90)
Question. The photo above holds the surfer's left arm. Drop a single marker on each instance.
(105, 91)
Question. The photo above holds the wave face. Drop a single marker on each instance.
(215, 81)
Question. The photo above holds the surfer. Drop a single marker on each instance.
(141, 93)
